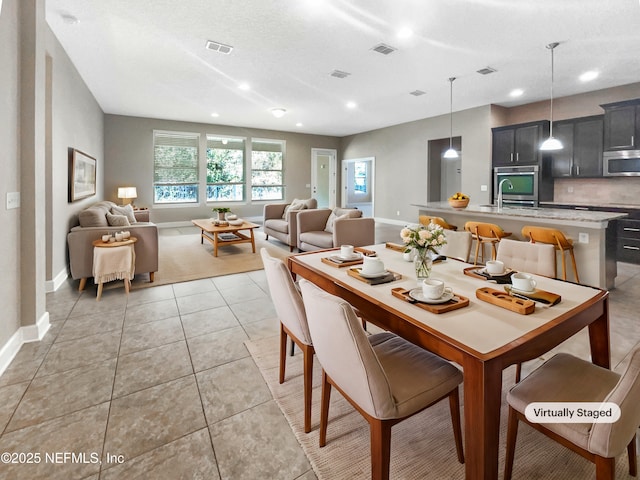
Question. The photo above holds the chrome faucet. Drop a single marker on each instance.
(509, 184)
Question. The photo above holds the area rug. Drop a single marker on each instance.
(422, 447)
(182, 257)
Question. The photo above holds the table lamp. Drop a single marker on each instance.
(127, 193)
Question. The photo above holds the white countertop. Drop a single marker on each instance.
(586, 218)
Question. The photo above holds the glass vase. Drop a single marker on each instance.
(422, 263)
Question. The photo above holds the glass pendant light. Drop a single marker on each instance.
(551, 143)
(451, 153)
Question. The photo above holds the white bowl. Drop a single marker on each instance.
(235, 223)
(231, 217)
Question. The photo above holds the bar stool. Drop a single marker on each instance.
(555, 238)
(426, 220)
(484, 233)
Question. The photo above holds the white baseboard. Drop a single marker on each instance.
(30, 333)
(392, 221)
(53, 285)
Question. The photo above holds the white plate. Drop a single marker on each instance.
(416, 294)
(351, 258)
(524, 292)
(504, 272)
(373, 275)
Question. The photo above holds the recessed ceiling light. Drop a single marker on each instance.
(417, 93)
(215, 114)
(352, 105)
(588, 76)
(278, 112)
(517, 92)
(218, 47)
(69, 19)
(244, 86)
(299, 124)
(404, 32)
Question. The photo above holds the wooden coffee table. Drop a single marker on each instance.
(213, 232)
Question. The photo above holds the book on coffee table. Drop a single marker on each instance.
(228, 236)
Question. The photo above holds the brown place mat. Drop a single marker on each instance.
(537, 295)
(458, 301)
(396, 246)
(336, 262)
(389, 277)
(366, 252)
(476, 272)
(504, 300)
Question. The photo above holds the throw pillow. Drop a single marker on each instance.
(294, 205)
(117, 220)
(332, 219)
(341, 213)
(127, 211)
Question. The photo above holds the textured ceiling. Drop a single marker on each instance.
(148, 58)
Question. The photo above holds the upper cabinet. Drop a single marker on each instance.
(582, 139)
(519, 144)
(622, 125)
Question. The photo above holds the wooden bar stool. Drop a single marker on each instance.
(484, 233)
(426, 220)
(558, 240)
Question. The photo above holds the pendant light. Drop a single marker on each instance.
(451, 153)
(551, 143)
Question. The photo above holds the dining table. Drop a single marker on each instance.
(483, 338)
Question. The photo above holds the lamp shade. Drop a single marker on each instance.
(450, 153)
(551, 144)
(127, 192)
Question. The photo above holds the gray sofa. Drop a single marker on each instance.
(93, 223)
(280, 220)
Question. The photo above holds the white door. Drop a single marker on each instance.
(323, 177)
(358, 181)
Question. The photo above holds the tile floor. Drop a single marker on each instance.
(160, 385)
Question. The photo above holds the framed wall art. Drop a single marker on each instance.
(82, 175)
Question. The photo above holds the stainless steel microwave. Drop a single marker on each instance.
(521, 187)
(625, 163)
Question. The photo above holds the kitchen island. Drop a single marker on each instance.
(593, 233)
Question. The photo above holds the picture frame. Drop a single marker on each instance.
(82, 175)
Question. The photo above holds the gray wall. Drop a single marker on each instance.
(129, 162)
(10, 178)
(401, 159)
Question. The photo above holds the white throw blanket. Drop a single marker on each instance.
(113, 263)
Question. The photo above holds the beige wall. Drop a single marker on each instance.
(129, 161)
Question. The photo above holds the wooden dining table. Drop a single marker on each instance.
(482, 338)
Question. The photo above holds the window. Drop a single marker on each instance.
(360, 179)
(175, 167)
(266, 170)
(225, 169)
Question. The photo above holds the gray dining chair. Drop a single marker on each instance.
(565, 378)
(293, 323)
(386, 378)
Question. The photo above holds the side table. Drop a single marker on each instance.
(114, 261)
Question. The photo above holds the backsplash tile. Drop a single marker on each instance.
(598, 191)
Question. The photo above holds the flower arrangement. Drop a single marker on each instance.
(423, 240)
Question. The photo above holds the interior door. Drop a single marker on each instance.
(358, 182)
(323, 177)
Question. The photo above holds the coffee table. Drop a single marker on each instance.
(213, 232)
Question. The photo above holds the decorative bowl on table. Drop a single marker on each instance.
(459, 200)
(236, 222)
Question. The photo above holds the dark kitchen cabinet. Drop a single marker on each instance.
(582, 139)
(622, 125)
(628, 241)
(518, 144)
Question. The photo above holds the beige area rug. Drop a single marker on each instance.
(183, 258)
(422, 447)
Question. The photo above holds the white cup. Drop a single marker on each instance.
(433, 288)
(119, 236)
(346, 251)
(409, 256)
(126, 235)
(112, 239)
(523, 281)
(494, 267)
(372, 265)
(105, 238)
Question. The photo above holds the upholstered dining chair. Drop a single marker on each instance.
(556, 238)
(565, 378)
(484, 233)
(538, 258)
(384, 377)
(293, 323)
(458, 245)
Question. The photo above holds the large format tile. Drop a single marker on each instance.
(140, 370)
(208, 321)
(231, 388)
(262, 328)
(148, 419)
(254, 310)
(62, 393)
(151, 312)
(191, 288)
(110, 302)
(217, 348)
(200, 301)
(239, 280)
(148, 335)
(190, 457)
(81, 433)
(9, 398)
(244, 294)
(26, 363)
(78, 327)
(150, 294)
(83, 351)
(263, 435)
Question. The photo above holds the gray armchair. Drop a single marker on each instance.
(280, 219)
(326, 228)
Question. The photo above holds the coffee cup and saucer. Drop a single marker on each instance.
(523, 283)
(495, 268)
(347, 253)
(372, 267)
(433, 290)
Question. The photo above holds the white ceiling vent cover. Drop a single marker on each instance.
(486, 70)
(219, 47)
(339, 74)
(384, 49)
(417, 93)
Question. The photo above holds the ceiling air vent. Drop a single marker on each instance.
(486, 70)
(384, 49)
(339, 74)
(219, 47)
(417, 93)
